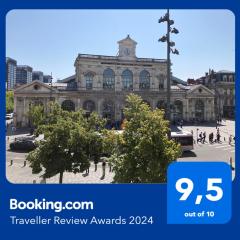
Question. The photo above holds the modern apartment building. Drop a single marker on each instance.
(37, 75)
(23, 74)
(11, 66)
(47, 78)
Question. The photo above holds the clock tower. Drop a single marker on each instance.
(127, 48)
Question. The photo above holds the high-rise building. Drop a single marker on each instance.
(47, 78)
(23, 74)
(11, 66)
(37, 75)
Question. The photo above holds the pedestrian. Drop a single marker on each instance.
(87, 168)
(204, 137)
(103, 168)
(110, 166)
(200, 137)
(218, 137)
(181, 123)
(212, 137)
(95, 162)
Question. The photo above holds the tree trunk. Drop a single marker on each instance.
(61, 177)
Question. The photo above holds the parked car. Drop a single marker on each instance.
(23, 144)
(9, 116)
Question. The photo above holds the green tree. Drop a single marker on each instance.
(36, 115)
(53, 154)
(144, 150)
(9, 101)
(70, 141)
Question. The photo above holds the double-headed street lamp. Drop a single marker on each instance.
(170, 45)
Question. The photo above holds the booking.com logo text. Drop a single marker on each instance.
(56, 206)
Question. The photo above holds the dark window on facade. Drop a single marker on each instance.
(144, 80)
(127, 80)
(108, 79)
(89, 80)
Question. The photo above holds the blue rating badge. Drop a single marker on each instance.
(199, 193)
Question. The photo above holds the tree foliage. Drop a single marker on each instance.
(9, 101)
(140, 154)
(69, 141)
(144, 150)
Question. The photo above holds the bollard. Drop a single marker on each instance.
(34, 181)
(11, 163)
(43, 181)
(231, 163)
(24, 163)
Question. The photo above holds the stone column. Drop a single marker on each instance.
(98, 79)
(15, 111)
(135, 80)
(78, 105)
(25, 111)
(99, 108)
(82, 82)
(118, 81)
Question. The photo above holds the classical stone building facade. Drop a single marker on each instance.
(222, 83)
(101, 83)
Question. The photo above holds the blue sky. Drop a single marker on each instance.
(50, 40)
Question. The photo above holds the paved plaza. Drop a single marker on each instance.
(18, 173)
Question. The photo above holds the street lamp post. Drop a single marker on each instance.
(170, 44)
(51, 85)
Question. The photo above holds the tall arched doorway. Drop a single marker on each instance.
(88, 107)
(108, 110)
(199, 110)
(68, 105)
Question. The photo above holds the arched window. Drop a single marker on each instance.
(161, 81)
(127, 80)
(108, 79)
(144, 80)
(89, 80)
(68, 105)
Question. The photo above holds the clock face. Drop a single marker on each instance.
(127, 51)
